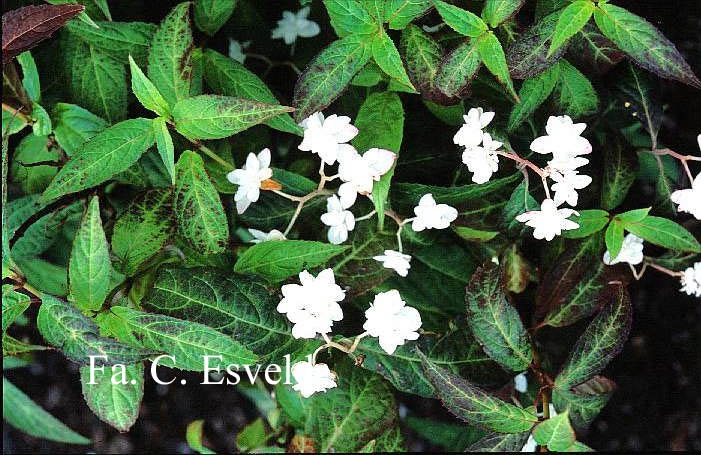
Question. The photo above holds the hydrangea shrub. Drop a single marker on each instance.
(403, 203)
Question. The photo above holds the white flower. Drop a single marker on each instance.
(260, 236)
(531, 444)
(563, 138)
(631, 251)
(339, 220)
(483, 160)
(327, 137)
(396, 261)
(566, 186)
(360, 172)
(389, 319)
(312, 306)
(691, 281)
(470, 133)
(256, 170)
(430, 215)
(521, 383)
(236, 50)
(549, 221)
(310, 379)
(689, 200)
(293, 25)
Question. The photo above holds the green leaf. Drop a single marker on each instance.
(164, 144)
(24, 414)
(380, 121)
(585, 401)
(455, 349)
(590, 222)
(199, 212)
(228, 77)
(348, 416)
(495, 322)
(473, 404)
(73, 126)
(614, 237)
(459, 68)
(42, 233)
(556, 433)
(95, 81)
(105, 155)
(11, 124)
(533, 93)
(572, 19)
(277, 260)
(193, 435)
(41, 119)
(401, 12)
(329, 73)
(642, 95)
(252, 436)
(143, 229)
(633, 216)
(217, 117)
(644, 43)
(236, 305)
(601, 341)
(211, 15)
(45, 276)
(449, 435)
(493, 57)
(78, 338)
(527, 56)
(25, 172)
(500, 442)
(117, 404)
(574, 93)
(30, 76)
(147, 93)
(387, 57)
(189, 342)
(665, 233)
(593, 50)
(90, 267)
(422, 55)
(619, 176)
(116, 40)
(495, 12)
(460, 20)
(13, 305)
(170, 56)
(349, 17)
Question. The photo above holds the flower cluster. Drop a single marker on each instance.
(312, 307)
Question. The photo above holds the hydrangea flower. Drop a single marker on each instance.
(327, 137)
(360, 172)
(260, 236)
(691, 281)
(249, 178)
(470, 133)
(310, 379)
(389, 319)
(236, 50)
(482, 160)
(312, 306)
(293, 25)
(430, 215)
(396, 261)
(689, 200)
(566, 186)
(631, 252)
(339, 220)
(521, 383)
(549, 221)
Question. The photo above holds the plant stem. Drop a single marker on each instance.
(16, 112)
(207, 151)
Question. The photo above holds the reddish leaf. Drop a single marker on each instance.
(24, 28)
